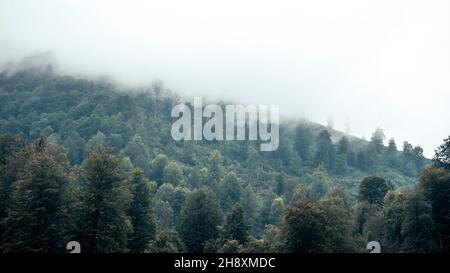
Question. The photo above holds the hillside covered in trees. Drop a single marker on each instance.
(94, 162)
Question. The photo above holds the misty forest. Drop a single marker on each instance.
(92, 161)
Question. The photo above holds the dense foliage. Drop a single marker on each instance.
(94, 162)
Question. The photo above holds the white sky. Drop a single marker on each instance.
(371, 63)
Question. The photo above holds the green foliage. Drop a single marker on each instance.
(378, 139)
(157, 166)
(339, 228)
(236, 225)
(172, 173)
(37, 216)
(230, 190)
(320, 184)
(140, 211)
(137, 152)
(343, 146)
(418, 225)
(276, 210)
(199, 219)
(325, 151)
(373, 189)
(165, 215)
(435, 185)
(166, 241)
(175, 196)
(231, 246)
(304, 227)
(442, 155)
(393, 211)
(303, 142)
(311, 182)
(105, 225)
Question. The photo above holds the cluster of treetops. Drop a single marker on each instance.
(83, 160)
